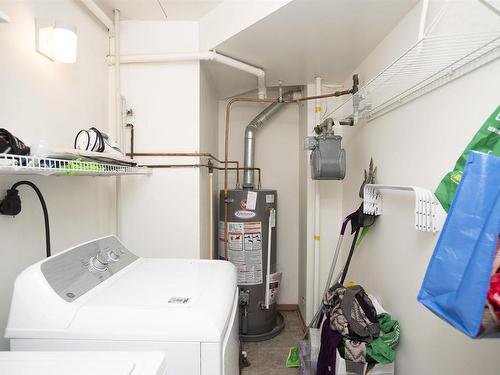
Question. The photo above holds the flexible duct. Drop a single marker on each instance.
(250, 132)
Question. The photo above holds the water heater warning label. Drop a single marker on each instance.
(244, 250)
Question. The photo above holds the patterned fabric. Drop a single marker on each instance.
(338, 321)
(350, 313)
(355, 356)
(360, 321)
(355, 350)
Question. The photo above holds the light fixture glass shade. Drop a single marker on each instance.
(56, 41)
(65, 43)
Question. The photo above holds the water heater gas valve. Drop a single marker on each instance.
(327, 157)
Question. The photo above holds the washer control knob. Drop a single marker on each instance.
(113, 256)
(99, 262)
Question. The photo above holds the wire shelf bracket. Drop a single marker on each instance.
(33, 165)
(428, 64)
(429, 214)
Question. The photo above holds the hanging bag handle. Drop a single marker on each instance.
(371, 329)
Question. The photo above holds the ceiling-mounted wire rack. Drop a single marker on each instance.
(33, 165)
(428, 64)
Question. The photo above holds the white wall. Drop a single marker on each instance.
(416, 145)
(277, 154)
(44, 100)
(161, 214)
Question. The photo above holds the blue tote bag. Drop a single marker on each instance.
(456, 283)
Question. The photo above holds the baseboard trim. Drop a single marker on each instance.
(302, 320)
(293, 308)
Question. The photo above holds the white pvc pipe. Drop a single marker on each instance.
(211, 214)
(317, 208)
(197, 56)
(258, 72)
(118, 119)
(99, 14)
(269, 243)
(162, 58)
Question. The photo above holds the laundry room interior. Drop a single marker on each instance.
(249, 187)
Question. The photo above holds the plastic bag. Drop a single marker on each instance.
(458, 277)
(486, 140)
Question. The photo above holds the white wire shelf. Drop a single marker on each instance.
(431, 62)
(33, 165)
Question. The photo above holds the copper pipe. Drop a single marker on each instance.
(259, 171)
(196, 154)
(353, 90)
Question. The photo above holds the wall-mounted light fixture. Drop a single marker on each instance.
(4, 18)
(56, 41)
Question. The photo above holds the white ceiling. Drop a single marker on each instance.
(308, 38)
(301, 40)
(160, 10)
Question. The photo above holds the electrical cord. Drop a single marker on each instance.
(11, 205)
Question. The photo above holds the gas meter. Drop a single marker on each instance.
(327, 155)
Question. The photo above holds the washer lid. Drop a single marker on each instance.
(82, 363)
(162, 299)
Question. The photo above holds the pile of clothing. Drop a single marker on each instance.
(354, 328)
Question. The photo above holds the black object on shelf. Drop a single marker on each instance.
(11, 205)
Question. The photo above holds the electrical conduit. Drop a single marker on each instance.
(317, 208)
(118, 119)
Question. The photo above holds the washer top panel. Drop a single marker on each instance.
(74, 272)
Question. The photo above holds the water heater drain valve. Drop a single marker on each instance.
(327, 157)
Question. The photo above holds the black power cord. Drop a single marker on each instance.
(11, 205)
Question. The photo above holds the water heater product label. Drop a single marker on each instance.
(251, 200)
(269, 198)
(244, 250)
(274, 286)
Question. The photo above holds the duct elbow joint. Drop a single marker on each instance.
(250, 132)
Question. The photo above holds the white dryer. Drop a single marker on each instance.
(99, 296)
(82, 363)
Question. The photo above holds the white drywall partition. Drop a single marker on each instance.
(331, 212)
(417, 144)
(45, 100)
(230, 17)
(209, 122)
(161, 214)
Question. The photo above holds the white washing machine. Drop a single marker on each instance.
(99, 296)
(82, 363)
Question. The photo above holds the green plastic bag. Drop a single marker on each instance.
(486, 140)
(293, 357)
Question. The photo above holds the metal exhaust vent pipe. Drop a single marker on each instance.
(250, 132)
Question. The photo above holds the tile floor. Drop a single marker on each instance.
(269, 357)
